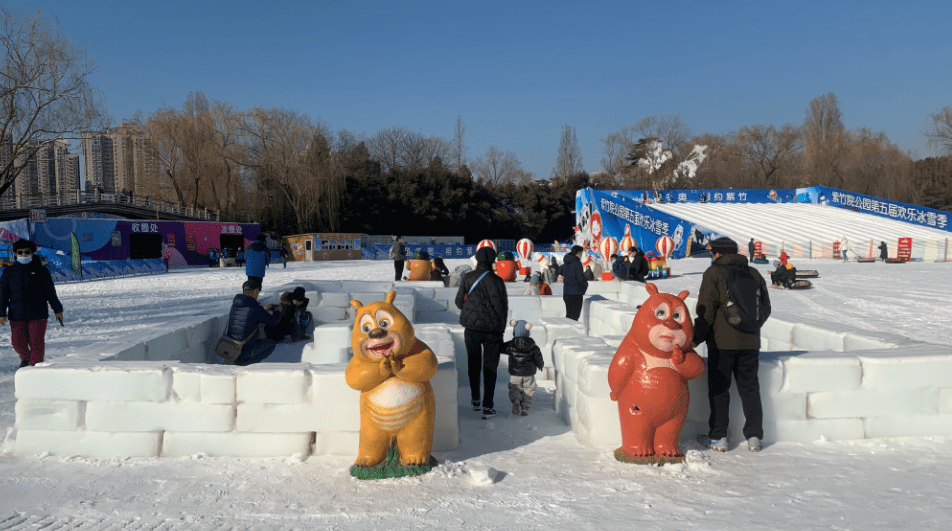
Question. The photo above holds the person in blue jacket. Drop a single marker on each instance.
(256, 258)
(243, 320)
(26, 294)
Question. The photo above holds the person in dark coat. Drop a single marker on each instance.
(620, 266)
(639, 267)
(294, 318)
(440, 271)
(730, 351)
(589, 274)
(256, 259)
(398, 253)
(784, 274)
(284, 256)
(484, 309)
(883, 251)
(575, 285)
(26, 294)
(525, 358)
(751, 249)
(243, 320)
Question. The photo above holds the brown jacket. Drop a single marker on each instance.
(711, 324)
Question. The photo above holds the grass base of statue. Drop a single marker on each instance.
(392, 369)
(648, 377)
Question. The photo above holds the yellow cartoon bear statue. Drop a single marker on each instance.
(392, 369)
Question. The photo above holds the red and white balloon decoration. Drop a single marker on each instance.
(524, 248)
(607, 248)
(664, 245)
(486, 243)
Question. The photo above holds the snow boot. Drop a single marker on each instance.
(515, 408)
(525, 412)
(488, 413)
(24, 363)
(753, 444)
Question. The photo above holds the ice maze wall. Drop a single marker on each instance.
(816, 383)
(161, 392)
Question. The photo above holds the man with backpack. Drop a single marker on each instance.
(732, 305)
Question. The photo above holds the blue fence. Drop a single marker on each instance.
(382, 252)
(61, 268)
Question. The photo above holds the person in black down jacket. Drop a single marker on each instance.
(243, 320)
(575, 285)
(484, 306)
(639, 267)
(524, 358)
(26, 289)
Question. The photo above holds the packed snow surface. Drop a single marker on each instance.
(511, 472)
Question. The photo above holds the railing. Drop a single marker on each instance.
(922, 249)
(8, 202)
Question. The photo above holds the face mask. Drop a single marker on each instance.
(24, 259)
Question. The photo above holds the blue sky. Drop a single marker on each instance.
(516, 72)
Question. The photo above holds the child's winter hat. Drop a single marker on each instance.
(534, 279)
(298, 294)
(520, 328)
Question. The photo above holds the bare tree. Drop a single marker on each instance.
(824, 140)
(167, 138)
(670, 130)
(765, 151)
(618, 145)
(570, 155)
(940, 136)
(497, 167)
(459, 147)
(397, 148)
(44, 92)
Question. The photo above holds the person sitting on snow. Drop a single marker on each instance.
(785, 274)
(620, 266)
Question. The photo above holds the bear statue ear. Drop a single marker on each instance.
(684, 294)
(356, 304)
(513, 323)
(652, 289)
(391, 296)
(528, 326)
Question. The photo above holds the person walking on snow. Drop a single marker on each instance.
(751, 249)
(398, 253)
(883, 251)
(484, 308)
(574, 283)
(844, 246)
(256, 258)
(26, 292)
(525, 358)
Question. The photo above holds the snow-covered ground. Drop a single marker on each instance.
(545, 479)
(791, 223)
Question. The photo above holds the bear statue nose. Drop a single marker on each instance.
(377, 333)
(671, 324)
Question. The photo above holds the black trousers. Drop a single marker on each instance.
(573, 306)
(743, 365)
(482, 352)
(398, 269)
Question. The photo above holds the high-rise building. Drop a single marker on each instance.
(119, 159)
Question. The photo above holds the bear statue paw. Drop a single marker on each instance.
(635, 456)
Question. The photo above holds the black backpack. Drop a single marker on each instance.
(745, 309)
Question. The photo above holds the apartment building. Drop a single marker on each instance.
(119, 159)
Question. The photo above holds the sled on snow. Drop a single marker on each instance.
(865, 260)
(798, 284)
(760, 260)
(896, 261)
(808, 273)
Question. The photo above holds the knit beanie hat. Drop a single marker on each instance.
(298, 294)
(24, 244)
(520, 328)
(723, 245)
(534, 279)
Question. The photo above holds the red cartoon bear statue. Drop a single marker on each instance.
(649, 377)
(507, 266)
